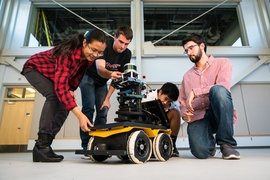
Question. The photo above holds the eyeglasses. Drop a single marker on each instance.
(189, 48)
(95, 51)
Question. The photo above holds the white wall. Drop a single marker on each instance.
(162, 69)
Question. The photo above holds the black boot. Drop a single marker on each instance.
(42, 150)
(53, 153)
(175, 151)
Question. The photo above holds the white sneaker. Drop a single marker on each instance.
(85, 156)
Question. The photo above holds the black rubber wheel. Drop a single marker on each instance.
(139, 147)
(123, 158)
(162, 147)
(95, 158)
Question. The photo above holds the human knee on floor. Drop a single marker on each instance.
(200, 153)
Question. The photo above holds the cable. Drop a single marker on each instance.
(148, 86)
(189, 22)
(82, 18)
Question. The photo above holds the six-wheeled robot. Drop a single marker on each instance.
(141, 130)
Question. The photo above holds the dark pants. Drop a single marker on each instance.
(54, 113)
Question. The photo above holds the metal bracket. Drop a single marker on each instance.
(267, 58)
(10, 61)
(263, 60)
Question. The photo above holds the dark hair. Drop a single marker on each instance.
(125, 31)
(64, 47)
(171, 90)
(198, 39)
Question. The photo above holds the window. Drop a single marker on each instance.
(20, 92)
(62, 24)
(267, 4)
(220, 27)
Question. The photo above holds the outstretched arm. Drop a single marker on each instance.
(107, 98)
(84, 122)
(105, 73)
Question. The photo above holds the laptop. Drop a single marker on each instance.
(155, 113)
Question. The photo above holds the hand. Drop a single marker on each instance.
(187, 116)
(166, 107)
(189, 101)
(73, 95)
(107, 104)
(116, 75)
(85, 124)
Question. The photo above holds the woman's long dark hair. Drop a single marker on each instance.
(64, 47)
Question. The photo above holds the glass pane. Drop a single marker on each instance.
(220, 27)
(62, 24)
(20, 93)
(14, 92)
(30, 93)
(267, 4)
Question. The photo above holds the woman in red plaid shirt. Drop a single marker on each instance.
(56, 74)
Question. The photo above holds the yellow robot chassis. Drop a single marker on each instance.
(140, 131)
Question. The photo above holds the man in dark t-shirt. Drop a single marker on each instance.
(94, 91)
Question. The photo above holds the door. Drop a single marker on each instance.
(16, 122)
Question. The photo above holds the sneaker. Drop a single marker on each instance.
(175, 153)
(85, 156)
(228, 152)
(213, 153)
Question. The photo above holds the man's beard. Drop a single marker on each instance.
(196, 58)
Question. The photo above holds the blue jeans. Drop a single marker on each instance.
(218, 120)
(92, 99)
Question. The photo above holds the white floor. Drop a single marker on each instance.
(254, 165)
